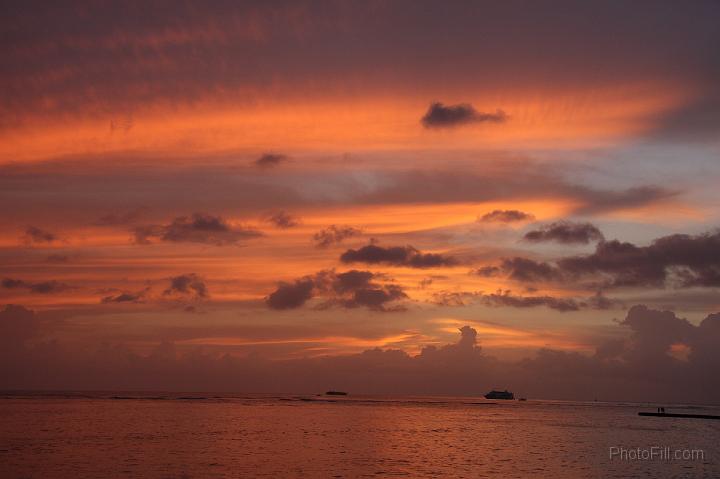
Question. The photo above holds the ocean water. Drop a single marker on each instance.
(218, 436)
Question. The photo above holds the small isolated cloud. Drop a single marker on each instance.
(40, 287)
(351, 289)
(33, 234)
(566, 232)
(407, 256)
(505, 216)
(448, 116)
(187, 285)
(270, 160)
(126, 297)
(283, 220)
(334, 234)
(198, 228)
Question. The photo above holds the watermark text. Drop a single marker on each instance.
(655, 453)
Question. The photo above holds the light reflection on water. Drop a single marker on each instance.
(289, 436)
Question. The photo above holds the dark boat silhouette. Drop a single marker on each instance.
(499, 395)
(335, 393)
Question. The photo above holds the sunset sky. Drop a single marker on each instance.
(300, 183)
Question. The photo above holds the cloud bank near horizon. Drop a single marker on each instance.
(660, 357)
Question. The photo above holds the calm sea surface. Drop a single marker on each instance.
(126, 435)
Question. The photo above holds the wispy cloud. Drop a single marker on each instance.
(334, 234)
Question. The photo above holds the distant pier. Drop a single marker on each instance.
(672, 414)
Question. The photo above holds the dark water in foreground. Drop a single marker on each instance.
(290, 436)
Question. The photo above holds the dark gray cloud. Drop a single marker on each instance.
(33, 234)
(566, 232)
(334, 234)
(505, 298)
(397, 256)
(705, 342)
(448, 116)
(126, 297)
(654, 332)
(522, 269)
(270, 160)
(505, 216)
(283, 220)
(358, 289)
(199, 228)
(291, 295)
(678, 260)
(40, 287)
(350, 289)
(375, 297)
(352, 280)
(187, 285)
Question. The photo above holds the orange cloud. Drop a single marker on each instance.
(385, 122)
